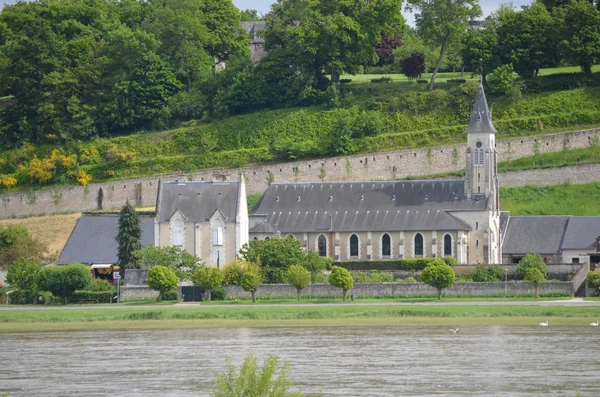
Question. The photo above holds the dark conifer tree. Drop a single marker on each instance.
(129, 237)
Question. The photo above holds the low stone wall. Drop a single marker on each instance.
(135, 277)
(137, 292)
(550, 176)
(278, 290)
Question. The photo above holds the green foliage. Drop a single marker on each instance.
(17, 243)
(406, 264)
(129, 237)
(208, 278)
(373, 276)
(502, 81)
(299, 277)
(252, 199)
(93, 296)
(234, 271)
(179, 260)
(593, 278)
(218, 294)
(438, 275)
(99, 285)
(536, 278)
(250, 381)
(250, 282)
(341, 278)
(274, 256)
(531, 261)
(487, 273)
(22, 275)
(63, 281)
(410, 280)
(162, 279)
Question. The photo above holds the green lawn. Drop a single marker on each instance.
(260, 316)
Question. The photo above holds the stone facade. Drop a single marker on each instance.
(377, 166)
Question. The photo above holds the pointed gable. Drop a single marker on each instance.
(481, 117)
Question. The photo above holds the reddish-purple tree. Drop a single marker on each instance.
(413, 66)
(385, 49)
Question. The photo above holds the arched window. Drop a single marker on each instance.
(480, 156)
(386, 245)
(447, 245)
(177, 233)
(354, 245)
(255, 238)
(266, 238)
(418, 244)
(291, 236)
(322, 243)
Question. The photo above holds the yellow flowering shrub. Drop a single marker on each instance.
(82, 177)
(65, 161)
(7, 181)
(110, 173)
(115, 154)
(40, 170)
(88, 155)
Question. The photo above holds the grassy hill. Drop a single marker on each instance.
(367, 117)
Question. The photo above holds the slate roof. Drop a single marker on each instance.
(534, 234)
(93, 239)
(364, 206)
(581, 233)
(198, 201)
(481, 117)
(504, 218)
(254, 29)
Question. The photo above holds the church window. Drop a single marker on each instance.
(418, 244)
(386, 245)
(354, 245)
(177, 233)
(476, 225)
(480, 156)
(322, 245)
(217, 233)
(447, 245)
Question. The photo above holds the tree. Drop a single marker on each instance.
(16, 243)
(63, 281)
(208, 278)
(249, 380)
(580, 34)
(249, 15)
(328, 36)
(341, 278)
(385, 48)
(438, 275)
(179, 260)
(480, 53)
(535, 278)
(22, 274)
(250, 282)
(274, 255)
(234, 271)
(315, 264)
(162, 279)
(530, 261)
(502, 81)
(527, 39)
(129, 237)
(412, 43)
(298, 276)
(413, 66)
(442, 23)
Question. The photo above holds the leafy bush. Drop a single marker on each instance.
(22, 274)
(487, 273)
(502, 80)
(93, 296)
(423, 81)
(438, 275)
(218, 294)
(162, 279)
(382, 80)
(234, 271)
(407, 264)
(22, 297)
(99, 285)
(63, 281)
(531, 261)
(170, 296)
(373, 276)
(593, 278)
(560, 82)
(409, 280)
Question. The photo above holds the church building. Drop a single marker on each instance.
(392, 220)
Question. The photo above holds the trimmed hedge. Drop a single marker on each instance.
(409, 264)
(93, 296)
(22, 297)
(560, 82)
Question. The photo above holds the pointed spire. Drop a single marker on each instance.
(481, 117)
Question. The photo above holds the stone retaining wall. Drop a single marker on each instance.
(137, 292)
(376, 166)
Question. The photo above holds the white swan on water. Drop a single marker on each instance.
(544, 324)
(454, 330)
(594, 324)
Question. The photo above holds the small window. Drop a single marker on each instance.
(575, 260)
(418, 244)
(354, 245)
(447, 245)
(386, 245)
(322, 243)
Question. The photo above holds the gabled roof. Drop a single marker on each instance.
(581, 233)
(364, 206)
(481, 117)
(534, 234)
(198, 201)
(93, 240)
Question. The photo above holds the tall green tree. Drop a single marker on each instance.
(298, 277)
(329, 36)
(443, 23)
(479, 53)
(536, 278)
(341, 278)
(22, 275)
(580, 34)
(179, 260)
(208, 278)
(128, 238)
(249, 15)
(438, 275)
(16, 243)
(161, 279)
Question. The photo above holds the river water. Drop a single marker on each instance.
(388, 361)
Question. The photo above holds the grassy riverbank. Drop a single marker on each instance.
(291, 316)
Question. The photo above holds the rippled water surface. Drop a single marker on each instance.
(406, 361)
